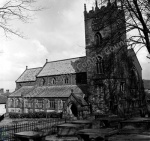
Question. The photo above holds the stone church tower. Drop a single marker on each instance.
(105, 36)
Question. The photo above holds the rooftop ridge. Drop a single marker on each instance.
(34, 68)
(65, 59)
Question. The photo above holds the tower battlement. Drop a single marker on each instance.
(102, 11)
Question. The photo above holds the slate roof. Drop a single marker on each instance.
(29, 75)
(56, 91)
(22, 91)
(3, 99)
(80, 99)
(146, 84)
(67, 66)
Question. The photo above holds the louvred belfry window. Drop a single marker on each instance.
(122, 86)
(100, 65)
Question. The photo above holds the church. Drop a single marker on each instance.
(107, 80)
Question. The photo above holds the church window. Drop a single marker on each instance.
(122, 86)
(48, 81)
(30, 103)
(66, 80)
(53, 81)
(100, 65)
(42, 82)
(12, 103)
(17, 103)
(47, 103)
(36, 103)
(40, 103)
(52, 104)
(97, 39)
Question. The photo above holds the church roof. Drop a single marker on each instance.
(67, 66)
(22, 91)
(56, 91)
(29, 75)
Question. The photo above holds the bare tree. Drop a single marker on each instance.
(11, 10)
(137, 18)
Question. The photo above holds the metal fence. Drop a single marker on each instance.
(45, 125)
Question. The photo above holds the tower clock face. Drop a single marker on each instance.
(97, 24)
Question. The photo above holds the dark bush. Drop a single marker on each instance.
(36, 115)
(56, 115)
(41, 114)
(14, 115)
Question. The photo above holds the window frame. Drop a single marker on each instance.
(100, 65)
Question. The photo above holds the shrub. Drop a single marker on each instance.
(56, 115)
(36, 115)
(14, 115)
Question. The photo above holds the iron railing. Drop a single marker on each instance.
(46, 125)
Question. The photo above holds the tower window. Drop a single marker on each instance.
(122, 86)
(100, 65)
(97, 39)
(81, 78)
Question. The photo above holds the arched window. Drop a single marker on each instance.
(100, 65)
(97, 39)
(17, 103)
(42, 81)
(53, 81)
(12, 103)
(122, 86)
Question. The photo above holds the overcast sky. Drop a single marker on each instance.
(55, 33)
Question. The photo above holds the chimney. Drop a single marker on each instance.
(46, 60)
(26, 67)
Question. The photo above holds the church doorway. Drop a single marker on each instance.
(74, 110)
